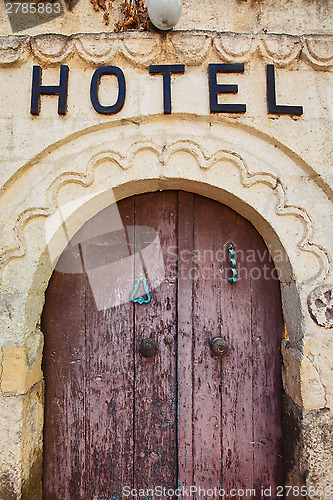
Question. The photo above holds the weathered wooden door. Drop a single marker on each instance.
(116, 421)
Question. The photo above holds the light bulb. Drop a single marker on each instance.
(164, 14)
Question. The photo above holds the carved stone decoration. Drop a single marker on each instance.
(188, 48)
(164, 155)
(320, 305)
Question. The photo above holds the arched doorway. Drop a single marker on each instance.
(185, 416)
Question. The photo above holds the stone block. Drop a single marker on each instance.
(18, 376)
(318, 451)
(291, 375)
(21, 433)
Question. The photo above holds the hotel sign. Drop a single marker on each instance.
(165, 70)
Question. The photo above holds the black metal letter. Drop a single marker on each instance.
(216, 88)
(60, 90)
(95, 81)
(274, 108)
(166, 70)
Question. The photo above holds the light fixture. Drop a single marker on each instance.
(164, 14)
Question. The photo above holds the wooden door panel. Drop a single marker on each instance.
(155, 378)
(267, 322)
(109, 354)
(64, 367)
(185, 338)
(184, 417)
(237, 380)
(207, 370)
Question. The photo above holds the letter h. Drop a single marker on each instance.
(60, 90)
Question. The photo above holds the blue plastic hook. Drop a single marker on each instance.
(141, 300)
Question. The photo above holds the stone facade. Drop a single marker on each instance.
(275, 170)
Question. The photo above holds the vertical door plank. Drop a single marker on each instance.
(207, 451)
(109, 339)
(267, 328)
(155, 453)
(64, 367)
(185, 338)
(237, 379)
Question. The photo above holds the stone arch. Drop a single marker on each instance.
(86, 173)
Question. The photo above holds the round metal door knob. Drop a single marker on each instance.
(148, 348)
(219, 346)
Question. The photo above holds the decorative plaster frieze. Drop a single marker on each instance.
(164, 155)
(142, 49)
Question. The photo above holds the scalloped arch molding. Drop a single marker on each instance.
(57, 194)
